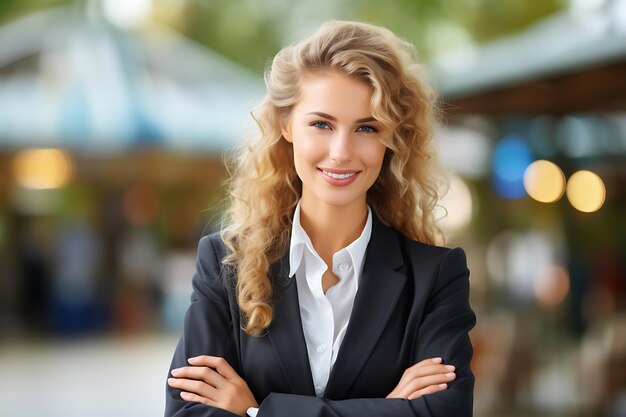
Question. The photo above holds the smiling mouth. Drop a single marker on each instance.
(339, 176)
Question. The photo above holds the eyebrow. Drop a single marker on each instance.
(334, 119)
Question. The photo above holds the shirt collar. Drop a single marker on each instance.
(301, 241)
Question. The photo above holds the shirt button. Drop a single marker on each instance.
(343, 267)
(321, 349)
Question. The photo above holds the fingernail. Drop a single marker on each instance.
(192, 359)
(175, 371)
(450, 367)
(450, 375)
(171, 380)
(437, 360)
(443, 385)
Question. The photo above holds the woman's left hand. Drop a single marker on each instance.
(212, 381)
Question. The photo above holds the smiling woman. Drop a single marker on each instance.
(324, 293)
(336, 143)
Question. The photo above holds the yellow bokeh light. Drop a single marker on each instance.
(458, 205)
(586, 191)
(544, 181)
(42, 168)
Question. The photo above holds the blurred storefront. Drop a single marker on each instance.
(536, 126)
(111, 143)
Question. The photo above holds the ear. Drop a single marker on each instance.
(286, 132)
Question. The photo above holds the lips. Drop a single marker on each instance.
(339, 177)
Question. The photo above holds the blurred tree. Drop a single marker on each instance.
(235, 29)
(251, 31)
(13, 9)
(437, 25)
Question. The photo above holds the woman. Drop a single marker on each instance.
(324, 294)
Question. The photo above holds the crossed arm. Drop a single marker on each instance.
(210, 380)
(203, 386)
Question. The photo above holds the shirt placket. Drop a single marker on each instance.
(324, 340)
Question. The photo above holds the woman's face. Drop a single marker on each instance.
(336, 141)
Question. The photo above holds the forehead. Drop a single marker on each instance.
(334, 93)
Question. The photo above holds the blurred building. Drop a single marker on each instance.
(536, 126)
(111, 140)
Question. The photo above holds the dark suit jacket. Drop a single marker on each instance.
(412, 304)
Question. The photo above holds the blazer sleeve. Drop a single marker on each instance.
(208, 330)
(443, 332)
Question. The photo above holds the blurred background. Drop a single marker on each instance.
(114, 115)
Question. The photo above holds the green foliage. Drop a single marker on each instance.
(251, 31)
(232, 29)
(236, 29)
(13, 9)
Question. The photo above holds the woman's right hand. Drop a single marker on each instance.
(211, 380)
(425, 377)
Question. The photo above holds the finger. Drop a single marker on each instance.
(201, 373)
(429, 361)
(424, 382)
(428, 390)
(196, 387)
(429, 370)
(220, 364)
(189, 396)
(426, 362)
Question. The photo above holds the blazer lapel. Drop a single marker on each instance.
(379, 288)
(286, 334)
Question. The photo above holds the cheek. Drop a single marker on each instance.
(307, 150)
(375, 156)
(304, 156)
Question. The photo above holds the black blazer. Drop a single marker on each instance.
(412, 304)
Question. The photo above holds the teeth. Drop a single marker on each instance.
(338, 176)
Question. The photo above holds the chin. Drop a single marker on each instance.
(339, 200)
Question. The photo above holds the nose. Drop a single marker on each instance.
(340, 150)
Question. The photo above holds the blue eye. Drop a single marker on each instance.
(320, 125)
(367, 129)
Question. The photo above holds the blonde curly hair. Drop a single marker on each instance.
(264, 187)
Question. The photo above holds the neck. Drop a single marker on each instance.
(332, 228)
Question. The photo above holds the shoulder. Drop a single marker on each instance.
(437, 264)
(429, 253)
(211, 278)
(212, 248)
(441, 272)
(395, 248)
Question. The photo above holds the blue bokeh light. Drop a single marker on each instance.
(511, 156)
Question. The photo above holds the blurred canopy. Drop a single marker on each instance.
(250, 31)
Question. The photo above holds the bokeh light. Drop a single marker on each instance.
(465, 149)
(551, 285)
(544, 181)
(586, 191)
(510, 158)
(515, 260)
(42, 168)
(458, 205)
(127, 13)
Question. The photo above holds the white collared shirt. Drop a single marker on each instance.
(324, 317)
